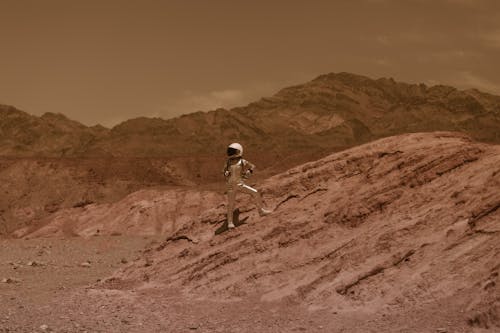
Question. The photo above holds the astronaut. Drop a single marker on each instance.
(236, 171)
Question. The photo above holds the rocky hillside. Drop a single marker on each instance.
(404, 224)
(34, 188)
(407, 223)
(49, 163)
(23, 135)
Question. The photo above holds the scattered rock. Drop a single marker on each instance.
(83, 203)
(441, 330)
(85, 264)
(10, 280)
(15, 265)
(44, 327)
(184, 253)
(489, 284)
(149, 262)
(34, 263)
(124, 261)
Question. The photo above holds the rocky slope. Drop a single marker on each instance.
(403, 224)
(142, 213)
(34, 188)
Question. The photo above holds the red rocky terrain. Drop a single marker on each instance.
(50, 162)
(398, 235)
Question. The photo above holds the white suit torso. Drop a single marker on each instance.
(235, 172)
(238, 171)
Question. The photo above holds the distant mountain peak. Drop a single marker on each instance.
(342, 76)
(9, 110)
(52, 115)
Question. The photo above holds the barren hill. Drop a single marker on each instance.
(403, 227)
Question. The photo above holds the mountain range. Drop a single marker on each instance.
(331, 112)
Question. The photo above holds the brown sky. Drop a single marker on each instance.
(104, 61)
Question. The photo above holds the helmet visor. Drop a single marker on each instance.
(232, 151)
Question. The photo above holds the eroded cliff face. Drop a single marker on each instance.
(398, 224)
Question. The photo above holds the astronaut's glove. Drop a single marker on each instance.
(248, 173)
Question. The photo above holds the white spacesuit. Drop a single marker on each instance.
(236, 171)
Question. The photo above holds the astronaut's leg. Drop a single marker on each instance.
(256, 197)
(231, 198)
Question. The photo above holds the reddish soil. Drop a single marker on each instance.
(398, 235)
(42, 272)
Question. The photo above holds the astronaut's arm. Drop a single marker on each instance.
(249, 167)
(225, 171)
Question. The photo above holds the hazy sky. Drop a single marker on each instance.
(104, 61)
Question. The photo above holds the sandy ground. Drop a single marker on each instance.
(40, 271)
